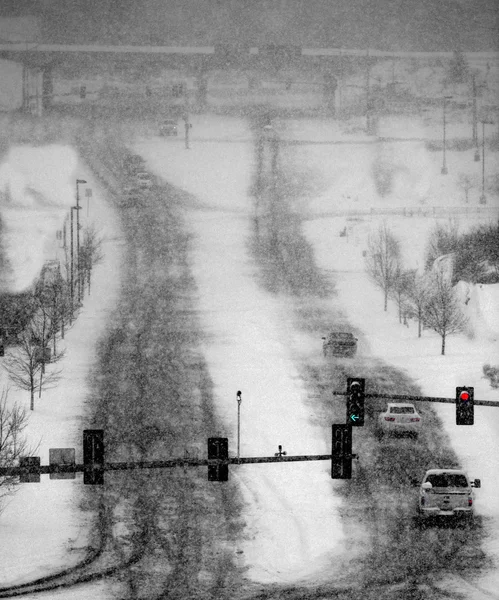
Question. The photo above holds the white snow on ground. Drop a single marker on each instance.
(42, 528)
(36, 191)
(244, 337)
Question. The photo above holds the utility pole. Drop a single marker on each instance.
(239, 400)
(368, 93)
(444, 170)
(72, 269)
(78, 236)
(475, 120)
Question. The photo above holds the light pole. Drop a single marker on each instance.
(78, 181)
(444, 165)
(71, 286)
(239, 400)
(475, 121)
(483, 199)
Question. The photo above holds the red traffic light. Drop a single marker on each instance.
(464, 396)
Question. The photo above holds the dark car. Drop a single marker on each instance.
(168, 127)
(133, 163)
(339, 344)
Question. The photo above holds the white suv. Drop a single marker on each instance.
(447, 493)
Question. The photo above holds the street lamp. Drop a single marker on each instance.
(72, 261)
(483, 199)
(444, 165)
(78, 181)
(239, 400)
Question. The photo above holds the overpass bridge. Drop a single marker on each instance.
(40, 54)
(40, 59)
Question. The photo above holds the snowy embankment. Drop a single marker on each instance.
(42, 527)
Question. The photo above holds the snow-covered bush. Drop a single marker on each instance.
(492, 373)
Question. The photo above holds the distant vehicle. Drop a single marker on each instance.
(133, 163)
(130, 192)
(447, 493)
(269, 132)
(400, 418)
(144, 180)
(168, 127)
(339, 344)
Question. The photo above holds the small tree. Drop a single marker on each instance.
(417, 299)
(13, 445)
(383, 260)
(26, 365)
(443, 313)
(90, 254)
(467, 183)
(400, 290)
(444, 239)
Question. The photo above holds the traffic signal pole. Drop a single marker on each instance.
(420, 398)
(156, 464)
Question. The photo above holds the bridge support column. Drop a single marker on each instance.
(47, 88)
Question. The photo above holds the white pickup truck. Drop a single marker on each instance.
(447, 493)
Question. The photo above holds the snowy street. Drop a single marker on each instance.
(300, 527)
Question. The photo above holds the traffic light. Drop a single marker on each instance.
(355, 401)
(83, 92)
(341, 453)
(93, 456)
(465, 411)
(33, 462)
(218, 448)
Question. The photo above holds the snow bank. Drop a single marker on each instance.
(480, 304)
(36, 192)
(42, 528)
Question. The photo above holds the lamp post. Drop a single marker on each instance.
(444, 165)
(78, 181)
(483, 199)
(71, 286)
(239, 400)
(475, 121)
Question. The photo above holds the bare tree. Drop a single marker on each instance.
(13, 445)
(417, 298)
(383, 260)
(26, 365)
(444, 239)
(467, 183)
(443, 313)
(400, 290)
(90, 254)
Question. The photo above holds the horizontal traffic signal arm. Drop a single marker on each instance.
(420, 398)
(158, 464)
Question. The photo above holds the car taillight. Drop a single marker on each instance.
(389, 418)
(416, 420)
(470, 501)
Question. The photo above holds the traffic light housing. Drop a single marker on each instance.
(465, 410)
(93, 456)
(218, 448)
(355, 401)
(341, 453)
